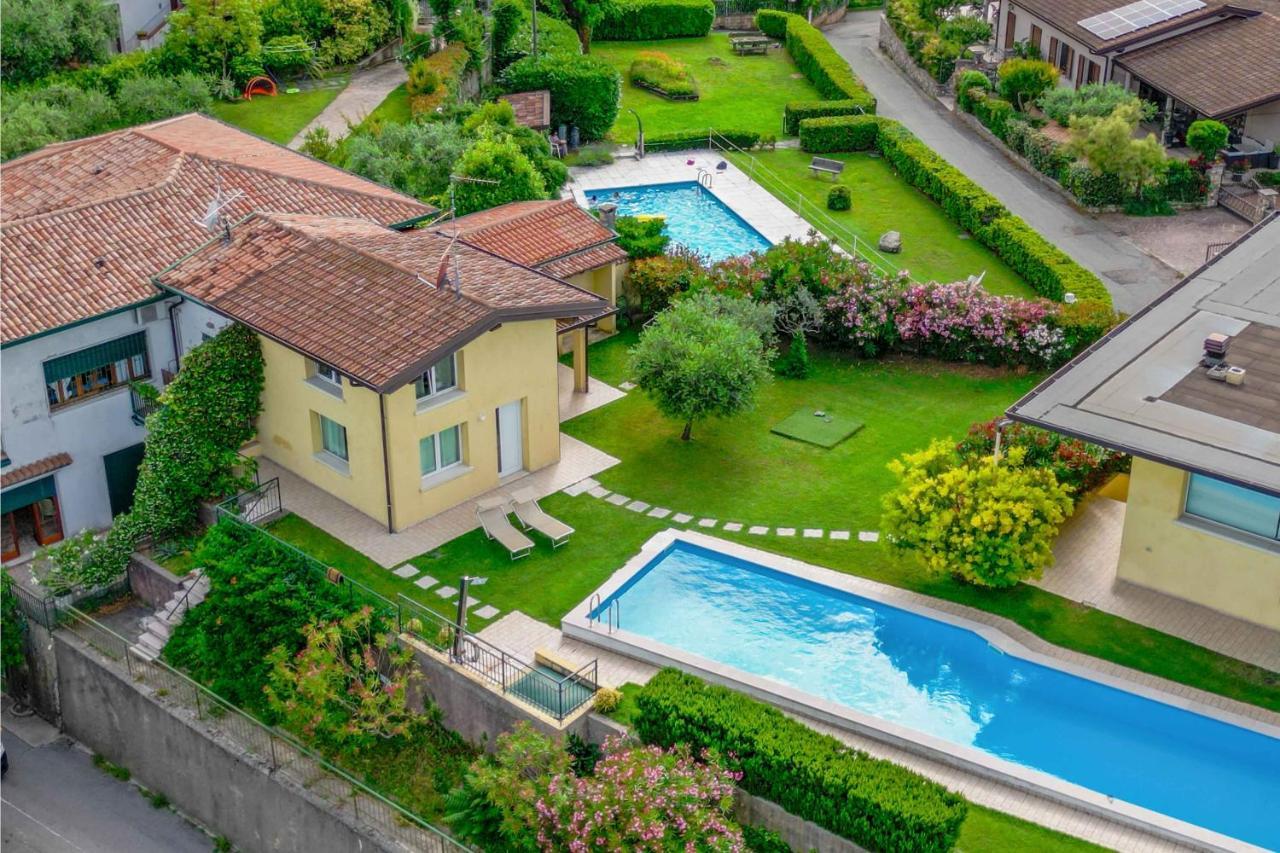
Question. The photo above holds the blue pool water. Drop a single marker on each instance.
(952, 684)
(695, 217)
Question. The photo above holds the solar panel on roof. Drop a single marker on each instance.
(1135, 16)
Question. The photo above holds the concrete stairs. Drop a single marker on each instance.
(157, 627)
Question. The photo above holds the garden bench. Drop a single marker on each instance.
(744, 45)
(828, 167)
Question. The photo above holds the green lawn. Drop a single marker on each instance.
(394, 108)
(736, 92)
(280, 118)
(988, 831)
(932, 245)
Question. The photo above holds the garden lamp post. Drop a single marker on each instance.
(464, 587)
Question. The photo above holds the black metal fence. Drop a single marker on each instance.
(255, 506)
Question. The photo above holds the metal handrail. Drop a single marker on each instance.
(172, 610)
(592, 604)
(615, 608)
(776, 186)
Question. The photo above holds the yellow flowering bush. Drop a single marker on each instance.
(989, 524)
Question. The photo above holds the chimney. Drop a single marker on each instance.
(608, 214)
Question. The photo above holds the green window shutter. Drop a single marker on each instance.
(94, 357)
(27, 494)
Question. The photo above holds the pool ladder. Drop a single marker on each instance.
(704, 178)
(613, 615)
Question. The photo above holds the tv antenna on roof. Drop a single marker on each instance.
(213, 218)
(465, 179)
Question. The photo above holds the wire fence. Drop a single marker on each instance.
(805, 209)
(284, 755)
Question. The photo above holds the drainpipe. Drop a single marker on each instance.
(173, 329)
(386, 462)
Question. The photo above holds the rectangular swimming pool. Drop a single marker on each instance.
(949, 683)
(696, 218)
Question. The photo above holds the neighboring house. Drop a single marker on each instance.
(142, 23)
(1203, 515)
(406, 372)
(87, 228)
(1194, 58)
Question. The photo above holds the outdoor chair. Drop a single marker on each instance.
(492, 513)
(532, 516)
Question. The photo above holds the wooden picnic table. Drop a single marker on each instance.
(747, 44)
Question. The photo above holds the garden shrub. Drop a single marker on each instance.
(507, 17)
(651, 20)
(1084, 321)
(1093, 188)
(658, 72)
(993, 112)
(761, 840)
(500, 160)
(423, 79)
(772, 22)
(653, 282)
(1078, 465)
(1024, 80)
(935, 46)
(839, 198)
(967, 84)
(989, 525)
(447, 64)
(1049, 270)
(414, 157)
(966, 203)
(964, 30)
(1110, 145)
(1092, 99)
(1045, 153)
(797, 111)
(585, 91)
(817, 60)
(1207, 137)
(874, 803)
(794, 363)
(1183, 182)
(290, 54)
(1267, 177)
(39, 36)
(839, 133)
(683, 140)
(641, 238)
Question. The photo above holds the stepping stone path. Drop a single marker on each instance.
(487, 612)
(447, 591)
(758, 531)
(617, 500)
(868, 536)
(627, 386)
(840, 535)
(786, 531)
(708, 522)
(659, 512)
(425, 582)
(408, 570)
(580, 487)
(813, 533)
(682, 518)
(598, 492)
(637, 506)
(733, 526)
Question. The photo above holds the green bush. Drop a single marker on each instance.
(585, 91)
(641, 238)
(684, 140)
(967, 84)
(498, 160)
(1092, 99)
(1024, 80)
(817, 60)
(1093, 188)
(872, 802)
(1046, 154)
(839, 198)
(423, 79)
(508, 15)
(772, 22)
(651, 20)
(993, 112)
(1207, 137)
(761, 840)
(1049, 270)
(288, 54)
(839, 133)
(655, 70)
(797, 111)
(1268, 178)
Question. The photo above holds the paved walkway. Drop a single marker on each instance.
(1132, 276)
(367, 89)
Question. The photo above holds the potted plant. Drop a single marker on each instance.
(1238, 168)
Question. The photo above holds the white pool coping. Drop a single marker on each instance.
(755, 205)
(577, 625)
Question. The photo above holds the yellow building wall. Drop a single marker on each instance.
(288, 434)
(515, 362)
(1161, 551)
(604, 282)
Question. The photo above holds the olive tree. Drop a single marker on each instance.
(705, 356)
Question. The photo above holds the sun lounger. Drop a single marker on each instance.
(525, 502)
(492, 513)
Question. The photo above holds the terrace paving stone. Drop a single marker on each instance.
(487, 612)
(682, 518)
(580, 487)
(637, 506)
(707, 522)
(658, 512)
(599, 492)
(868, 536)
(425, 582)
(813, 533)
(840, 535)
(447, 591)
(617, 500)
(732, 526)
(786, 531)
(408, 570)
(757, 530)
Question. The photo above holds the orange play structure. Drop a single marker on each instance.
(259, 86)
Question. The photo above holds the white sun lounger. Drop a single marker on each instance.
(525, 503)
(492, 513)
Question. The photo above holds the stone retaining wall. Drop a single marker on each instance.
(897, 51)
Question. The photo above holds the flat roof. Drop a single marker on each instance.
(1141, 388)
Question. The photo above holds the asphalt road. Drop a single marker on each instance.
(53, 800)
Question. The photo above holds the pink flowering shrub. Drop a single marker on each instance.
(641, 798)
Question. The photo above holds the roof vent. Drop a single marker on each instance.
(98, 169)
(99, 262)
(1215, 350)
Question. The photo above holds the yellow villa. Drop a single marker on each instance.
(1190, 386)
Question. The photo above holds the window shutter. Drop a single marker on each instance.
(94, 357)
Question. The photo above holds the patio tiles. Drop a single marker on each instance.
(599, 492)
(757, 530)
(637, 506)
(682, 518)
(408, 570)
(574, 403)
(487, 612)
(707, 522)
(580, 487)
(578, 460)
(447, 591)
(617, 500)
(813, 533)
(868, 536)
(732, 526)
(840, 535)
(786, 531)
(425, 582)
(658, 512)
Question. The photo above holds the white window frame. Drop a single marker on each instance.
(428, 380)
(339, 463)
(441, 472)
(324, 377)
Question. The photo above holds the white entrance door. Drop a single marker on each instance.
(510, 439)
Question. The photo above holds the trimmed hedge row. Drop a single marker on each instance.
(650, 20)
(817, 60)
(1049, 270)
(874, 803)
(797, 111)
(688, 140)
(585, 91)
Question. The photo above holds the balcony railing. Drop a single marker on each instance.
(141, 406)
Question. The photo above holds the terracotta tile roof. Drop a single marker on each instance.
(1219, 70)
(533, 109)
(609, 253)
(31, 470)
(537, 234)
(84, 224)
(1065, 15)
(363, 297)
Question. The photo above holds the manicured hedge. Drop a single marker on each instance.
(817, 60)
(1049, 270)
(649, 20)
(688, 140)
(839, 133)
(797, 111)
(874, 803)
(585, 91)
(992, 111)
